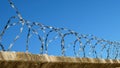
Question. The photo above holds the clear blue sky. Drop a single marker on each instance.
(98, 17)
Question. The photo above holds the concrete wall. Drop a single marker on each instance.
(25, 60)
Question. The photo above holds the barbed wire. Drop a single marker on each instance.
(82, 45)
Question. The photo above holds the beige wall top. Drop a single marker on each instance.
(26, 60)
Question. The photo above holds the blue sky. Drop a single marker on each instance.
(98, 17)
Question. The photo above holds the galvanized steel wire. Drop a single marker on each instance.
(92, 46)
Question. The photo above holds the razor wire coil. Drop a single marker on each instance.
(91, 46)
